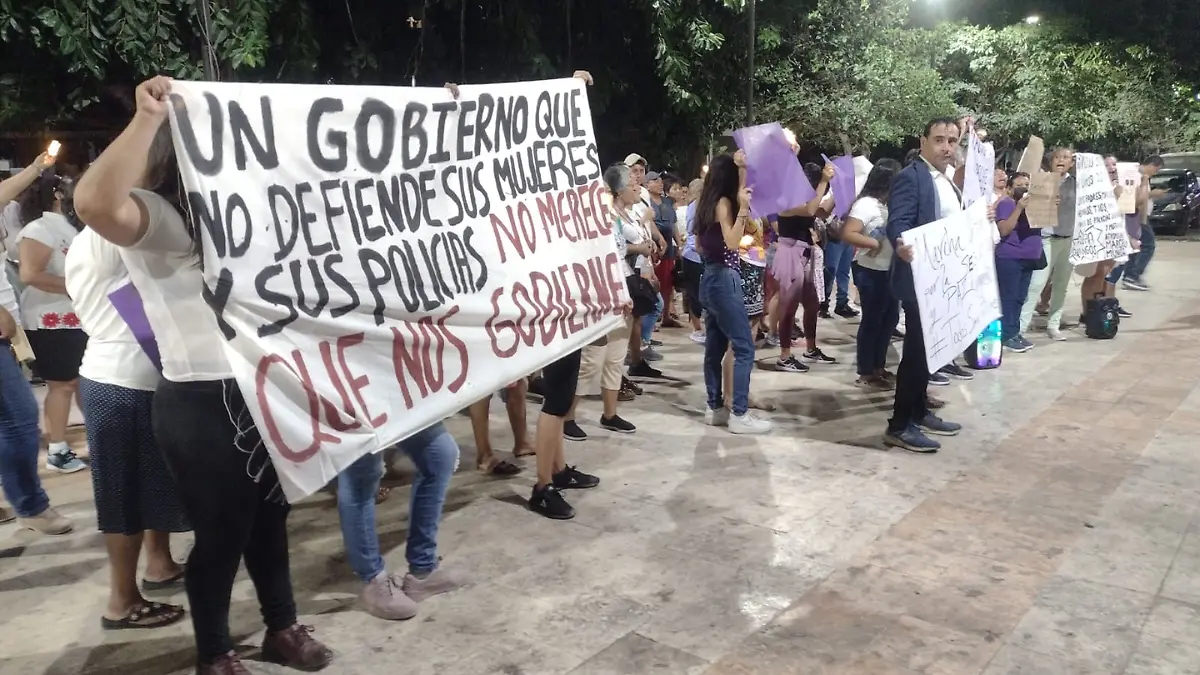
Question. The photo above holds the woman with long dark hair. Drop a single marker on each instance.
(866, 229)
(51, 326)
(226, 480)
(721, 217)
(797, 268)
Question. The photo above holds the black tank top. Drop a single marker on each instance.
(797, 227)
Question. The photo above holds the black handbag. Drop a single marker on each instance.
(645, 298)
(1040, 264)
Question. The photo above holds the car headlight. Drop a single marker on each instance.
(1172, 207)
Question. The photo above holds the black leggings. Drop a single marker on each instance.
(233, 515)
(559, 380)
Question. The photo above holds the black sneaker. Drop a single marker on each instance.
(572, 432)
(824, 313)
(654, 343)
(938, 379)
(644, 369)
(1123, 313)
(572, 479)
(845, 311)
(817, 356)
(615, 423)
(956, 371)
(790, 365)
(550, 503)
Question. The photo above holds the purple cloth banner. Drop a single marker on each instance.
(842, 185)
(772, 170)
(128, 303)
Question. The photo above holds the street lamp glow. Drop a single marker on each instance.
(1033, 20)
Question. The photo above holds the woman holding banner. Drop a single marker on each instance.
(226, 480)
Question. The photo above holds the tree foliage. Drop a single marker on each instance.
(672, 75)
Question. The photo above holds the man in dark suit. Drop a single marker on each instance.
(920, 194)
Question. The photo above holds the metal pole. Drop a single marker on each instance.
(210, 58)
(750, 79)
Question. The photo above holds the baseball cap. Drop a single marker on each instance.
(652, 176)
(634, 158)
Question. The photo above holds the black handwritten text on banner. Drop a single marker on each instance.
(1099, 226)
(380, 257)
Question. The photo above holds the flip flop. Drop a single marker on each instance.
(149, 586)
(148, 615)
(501, 468)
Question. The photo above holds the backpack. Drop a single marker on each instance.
(1100, 318)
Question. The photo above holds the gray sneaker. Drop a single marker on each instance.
(439, 581)
(648, 354)
(384, 598)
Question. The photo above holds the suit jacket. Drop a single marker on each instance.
(912, 202)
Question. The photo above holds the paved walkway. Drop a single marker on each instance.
(1056, 536)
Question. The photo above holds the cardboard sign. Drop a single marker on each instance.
(1129, 177)
(381, 257)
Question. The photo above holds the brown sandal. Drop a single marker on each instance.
(146, 615)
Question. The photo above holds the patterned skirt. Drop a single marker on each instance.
(753, 288)
(132, 487)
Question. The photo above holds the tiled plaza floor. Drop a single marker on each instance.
(1056, 536)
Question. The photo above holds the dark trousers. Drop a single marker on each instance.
(1013, 277)
(880, 315)
(233, 515)
(912, 377)
(692, 271)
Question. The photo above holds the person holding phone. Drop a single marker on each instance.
(1018, 255)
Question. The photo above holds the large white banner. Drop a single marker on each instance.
(1099, 226)
(979, 180)
(381, 257)
(954, 273)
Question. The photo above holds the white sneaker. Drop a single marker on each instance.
(1056, 335)
(716, 418)
(748, 424)
(697, 337)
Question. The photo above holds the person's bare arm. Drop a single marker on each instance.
(733, 228)
(12, 188)
(8, 325)
(34, 257)
(852, 233)
(103, 196)
(813, 207)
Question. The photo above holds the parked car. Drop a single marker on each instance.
(1182, 160)
(1179, 210)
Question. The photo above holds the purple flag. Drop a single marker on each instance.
(842, 185)
(772, 170)
(128, 303)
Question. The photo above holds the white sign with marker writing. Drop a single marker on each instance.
(1099, 226)
(954, 273)
(381, 257)
(979, 181)
(1129, 177)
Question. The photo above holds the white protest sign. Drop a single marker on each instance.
(1099, 226)
(862, 169)
(381, 257)
(954, 273)
(979, 182)
(1129, 177)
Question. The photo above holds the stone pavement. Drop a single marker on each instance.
(1056, 536)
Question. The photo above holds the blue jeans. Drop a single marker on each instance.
(880, 316)
(649, 320)
(435, 455)
(1140, 260)
(19, 438)
(1013, 278)
(726, 323)
(1117, 271)
(838, 257)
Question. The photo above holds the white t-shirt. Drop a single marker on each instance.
(113, 355)
(949, 201)
(8, 299)
(42, 310)
(170, 281)
(10, 227)
(873, 216)
(631, 233)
